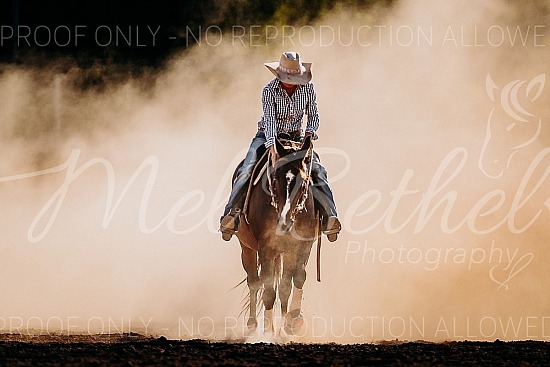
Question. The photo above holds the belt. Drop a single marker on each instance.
(295, 133)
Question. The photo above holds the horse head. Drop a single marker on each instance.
(511, 125)
(289, 182)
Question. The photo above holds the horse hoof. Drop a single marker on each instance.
(226, 236)
(252, 324)
(293, 322)
(332, 237)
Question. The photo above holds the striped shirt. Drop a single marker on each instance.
(282, 113)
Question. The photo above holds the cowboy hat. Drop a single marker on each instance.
(290, 70)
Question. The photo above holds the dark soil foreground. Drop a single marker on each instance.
(135, 350)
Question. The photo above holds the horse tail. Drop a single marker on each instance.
(245, 301)
(239, 284)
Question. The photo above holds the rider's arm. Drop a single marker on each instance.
(268, 105)
(311, 111)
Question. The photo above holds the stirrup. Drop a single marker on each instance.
(229, 224)
(226, 236)
(332, 228)
(332, 237)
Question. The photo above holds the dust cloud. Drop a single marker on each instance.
(429, 128)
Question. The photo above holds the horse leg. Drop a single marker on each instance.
(267, 275)
(250, 265)
(299, 280)
(285, 286)
(254, 285)
(294, 319)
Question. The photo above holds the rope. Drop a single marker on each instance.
(259, 177)
(319, 249)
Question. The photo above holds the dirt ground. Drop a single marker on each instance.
(136, 350)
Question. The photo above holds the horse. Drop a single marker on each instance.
(277, 229)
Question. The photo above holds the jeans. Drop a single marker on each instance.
(322, 193)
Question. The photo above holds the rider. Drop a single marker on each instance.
(285, 100)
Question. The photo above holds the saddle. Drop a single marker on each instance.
(290, 140)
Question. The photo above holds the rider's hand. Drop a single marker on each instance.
(274, 155)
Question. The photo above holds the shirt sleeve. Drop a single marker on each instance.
(268, 105)
(312, 113)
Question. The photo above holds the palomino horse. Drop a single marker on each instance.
(276, 233)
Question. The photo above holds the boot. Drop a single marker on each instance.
(331, 227)
(229, 224)
(324, 202)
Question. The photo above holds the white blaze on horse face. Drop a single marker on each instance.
(286, 208)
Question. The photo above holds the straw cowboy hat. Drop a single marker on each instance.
(290, 70)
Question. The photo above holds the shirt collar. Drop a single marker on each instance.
(279, 85)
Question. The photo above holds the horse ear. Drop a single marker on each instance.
(307, 143)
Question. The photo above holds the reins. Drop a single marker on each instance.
(318, 248)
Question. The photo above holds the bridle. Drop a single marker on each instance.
(305, 157)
